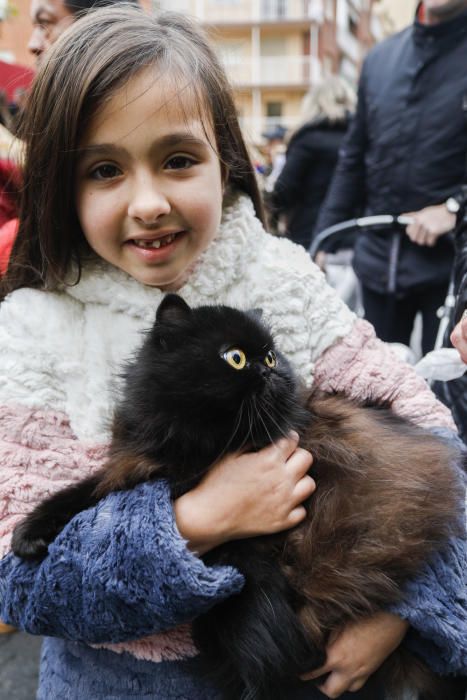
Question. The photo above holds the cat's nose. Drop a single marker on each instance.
(262, 370)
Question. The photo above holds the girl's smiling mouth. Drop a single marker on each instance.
(156, 247)
(159, 242)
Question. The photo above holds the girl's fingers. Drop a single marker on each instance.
(304, 488)
(316, 673)
(334, 685)
(299, 462)
(296, 516)
(286, 446)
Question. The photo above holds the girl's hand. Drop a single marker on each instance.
(357, 651)
(459, 337)
(246, 495)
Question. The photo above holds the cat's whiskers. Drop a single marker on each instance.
(264, 406)
(234, 432)
(261, 419)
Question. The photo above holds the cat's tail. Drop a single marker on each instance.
(255, 641)
(403, 675)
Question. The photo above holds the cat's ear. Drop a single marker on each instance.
(256, 313)
(172, 309)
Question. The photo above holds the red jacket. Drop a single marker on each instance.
(7, 237)
(10, 183)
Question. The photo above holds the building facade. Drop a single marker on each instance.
(273, 50)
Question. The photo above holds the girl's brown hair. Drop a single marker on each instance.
(89, 62)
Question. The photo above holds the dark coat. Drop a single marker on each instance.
(454, 393)
(302, 185)
(405, 150)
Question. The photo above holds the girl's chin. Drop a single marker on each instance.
(165, 284)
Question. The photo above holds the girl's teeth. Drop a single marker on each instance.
(156, 244)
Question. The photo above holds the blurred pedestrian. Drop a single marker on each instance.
(50, 18)
(275, 151)
(459, 337)
(454, 393)
(311, 157)
(275, 156)
(405, 152)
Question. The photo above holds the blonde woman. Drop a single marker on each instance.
(312, 156)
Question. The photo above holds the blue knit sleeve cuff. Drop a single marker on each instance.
(118, 571)
(435, 603)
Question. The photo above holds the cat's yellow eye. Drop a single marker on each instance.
(235, 357)
(270, 360)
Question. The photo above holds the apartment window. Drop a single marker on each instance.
(274, 109)
(273, 9)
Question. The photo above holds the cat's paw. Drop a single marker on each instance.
(28, 546)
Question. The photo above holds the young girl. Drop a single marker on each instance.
(137, 181)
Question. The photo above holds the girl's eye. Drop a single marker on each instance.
(105, 172)
(179, 163)
(235, 357)
(270, 360)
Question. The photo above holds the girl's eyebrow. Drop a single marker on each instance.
(168, 141)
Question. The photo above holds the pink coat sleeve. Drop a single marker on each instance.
(363, 367)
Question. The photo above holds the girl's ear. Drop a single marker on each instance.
(172, 310)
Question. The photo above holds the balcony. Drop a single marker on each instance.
(273, 71)
(247, 11)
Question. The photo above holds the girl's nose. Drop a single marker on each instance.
(148, 203)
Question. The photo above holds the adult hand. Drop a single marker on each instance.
(459, 337)
(246, 495)
(429, 224)
(320, 260)
(357, 651)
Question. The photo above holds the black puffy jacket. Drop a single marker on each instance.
(405, 150)
(303, 182)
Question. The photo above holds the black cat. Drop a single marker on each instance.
(208, 381)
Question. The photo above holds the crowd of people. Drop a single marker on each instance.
(134, 180)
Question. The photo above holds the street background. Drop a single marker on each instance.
(19, 659)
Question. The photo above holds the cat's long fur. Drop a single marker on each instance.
(387, 496)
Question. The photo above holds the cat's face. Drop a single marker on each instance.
(218, 367)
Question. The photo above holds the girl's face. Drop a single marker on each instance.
(148, 184)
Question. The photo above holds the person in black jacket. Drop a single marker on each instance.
(311, 157)
(405, 153)
(454, 393)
